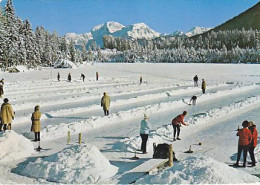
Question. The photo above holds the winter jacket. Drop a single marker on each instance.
(105, 102)
(254, 136)
(178, 120)
(245, 136)
(7, 113)
(195, 78)
(36, 124)
(145, 127)
(203, 85)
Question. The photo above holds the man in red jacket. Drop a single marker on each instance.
(253, 143)
(176, 123)
(245, 138)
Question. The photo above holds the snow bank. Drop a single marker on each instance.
(63, 63)
(203, 170)
(14, 146)
(75, 164)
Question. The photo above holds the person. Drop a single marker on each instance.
(58, 76)
(2, 81)
(82, 76)
(252, 145)
(244, 140)
(144, 131)
(105, 103)
(69, 77)
(7, 115)
(176, 123)
(193, 99)
(1, 90)
(36, 124)
(195, 79)
(141, 80)
(203, 86)
(97, 76)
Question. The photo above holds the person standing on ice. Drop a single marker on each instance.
(105, 103)
(141, 80)
(58, 76)
(36, 124)
(193, 99)
(176, 123)
(82, 76)
(1, 90)
(97, 75)
(203, 86)
(144, 131)
(196, 79)
(7, 115)
(245, 138)
(252, 145)
(69, 77)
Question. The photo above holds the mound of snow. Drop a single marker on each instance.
(63, 63)
(75, 164)
(22, 68)
(203, 170)
(14, 146)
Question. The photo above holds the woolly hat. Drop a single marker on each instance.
(37, 107)
(146, 116)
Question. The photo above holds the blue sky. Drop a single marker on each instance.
(164, 16)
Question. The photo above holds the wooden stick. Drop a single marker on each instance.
(68, 139)
(170, 156)
(80, 138)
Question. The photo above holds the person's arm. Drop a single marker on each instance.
(182, 122)
(102, 101)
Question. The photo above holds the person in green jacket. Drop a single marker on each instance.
(203, 86)
(105, 103)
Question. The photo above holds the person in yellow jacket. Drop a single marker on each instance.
(203, 86)
(36, 123)
(105, 103)
(7, 115)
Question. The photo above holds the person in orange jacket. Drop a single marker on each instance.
(176, 123)
(252, 145)
(245, 138)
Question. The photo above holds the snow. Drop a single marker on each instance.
(64, 63)
(196, 30)
(194, 170)
(232, 96)
(75, 164)
(14, 146)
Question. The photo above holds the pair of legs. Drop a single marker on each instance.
(37, 136)
(203, 91)
(195, 83)
(6, 127)
(144, 141)
(252, 155)
(176, 128)
(106, 112)
(241, 148)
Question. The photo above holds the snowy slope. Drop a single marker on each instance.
(79, 39)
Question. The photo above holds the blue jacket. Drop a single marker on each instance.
(145, 127)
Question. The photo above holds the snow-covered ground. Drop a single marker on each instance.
(232, 96)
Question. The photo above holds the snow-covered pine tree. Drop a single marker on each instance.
(72, 51)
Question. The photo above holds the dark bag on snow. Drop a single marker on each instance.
(161, 151)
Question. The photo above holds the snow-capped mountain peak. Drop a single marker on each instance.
(110, 26)
(196, 30)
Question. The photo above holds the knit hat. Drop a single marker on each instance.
(146, 116)
(37, 107)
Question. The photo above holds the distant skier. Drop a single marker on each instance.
(245, 138)
(1, 90)
(203, 86)
(193, 99)
(144, 131)
(7, 115)
(97, 75)
(69, 77)
(58, 76)
(176, 123)
(36, 124)
(196, 79)
(105, 103)
(2, 81)
(252, 145)
(82, 76)
(141, 80)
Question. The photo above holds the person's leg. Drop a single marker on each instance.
(142, 144)
(35, 136)
(174, 131)
(178, 131)
(145, 142)
(5, 127)
(107, 112)
(38, 134)
(252, 155)
(245, 149)
(239, 151)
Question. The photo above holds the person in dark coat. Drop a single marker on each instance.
(193, 99)
(69, 77)
(196, 79)
(203, 86)
(252, 145)
(97, 75)
(245, 138)
(176, 123)
(141, 80)
(58, 76)
(1, 90)
(82, 76)
(36, 123)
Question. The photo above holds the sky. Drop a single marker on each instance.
(164, 16)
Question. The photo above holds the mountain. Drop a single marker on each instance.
(196, 30)
(250, 19)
